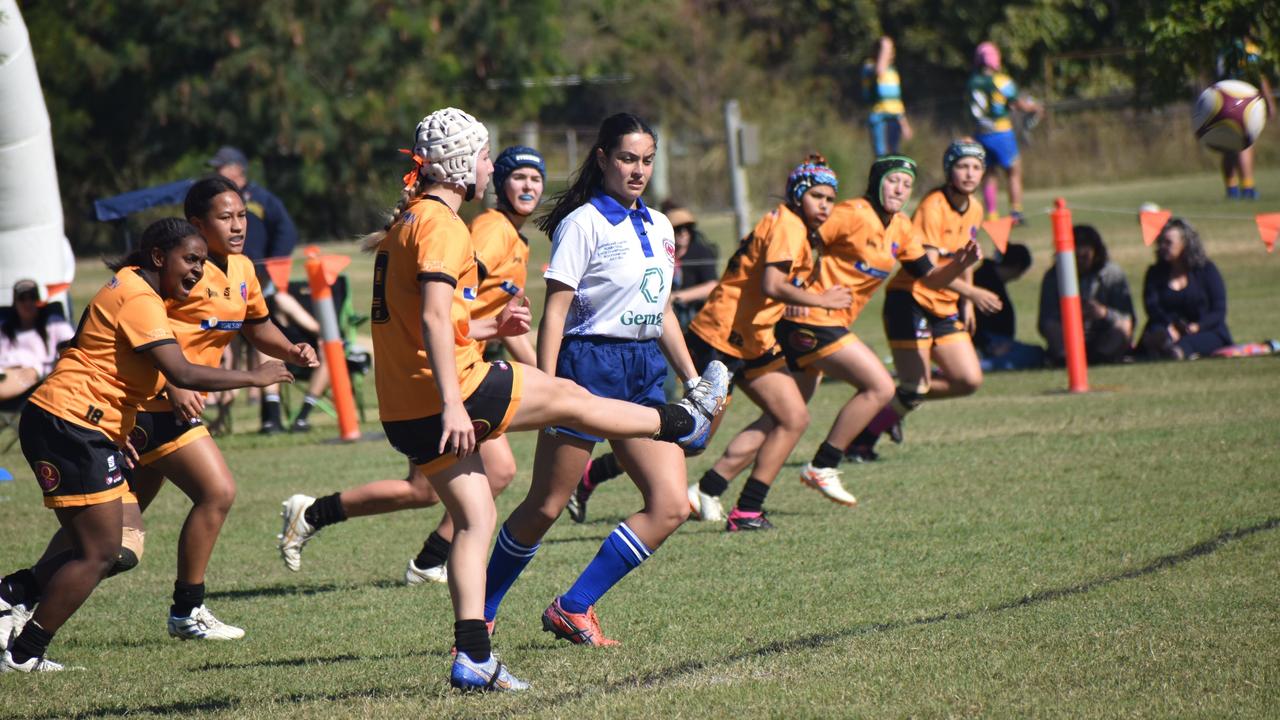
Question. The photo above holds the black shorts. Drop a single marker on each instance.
(703, 353)
(491, 406)
(804, 345)
(910, 327)
(157, 434)
(75, 466)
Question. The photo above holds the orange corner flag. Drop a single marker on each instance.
(1152, 223)
(279, 269)
(333, 267)
(999, 230)
(1269, 229)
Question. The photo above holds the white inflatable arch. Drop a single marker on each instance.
(33, 243)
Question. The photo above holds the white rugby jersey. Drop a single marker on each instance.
(620, 264)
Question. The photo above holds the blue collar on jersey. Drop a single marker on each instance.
(613, 211)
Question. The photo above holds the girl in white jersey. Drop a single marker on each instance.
(607, 326)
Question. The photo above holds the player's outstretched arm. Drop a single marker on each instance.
(173, 364)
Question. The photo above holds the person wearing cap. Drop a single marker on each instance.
(502, 250)
(992, 95)
(882, 87)
(774, 267)
(438, 399)
(31, 337)
(927, 323)
(696, 270)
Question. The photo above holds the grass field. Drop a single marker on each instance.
(1025, 553)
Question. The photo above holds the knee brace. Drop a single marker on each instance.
(132, 542)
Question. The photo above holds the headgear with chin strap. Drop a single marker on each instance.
(880, 169)
(449, 142)
(962, 148)
(807, 175)
(510, 160)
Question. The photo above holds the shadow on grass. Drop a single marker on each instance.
(292, 590)
(678, 672)
(808, 642)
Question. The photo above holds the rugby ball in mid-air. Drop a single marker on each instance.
(1229, 116)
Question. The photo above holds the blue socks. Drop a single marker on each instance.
(621, 553)
(505, 565)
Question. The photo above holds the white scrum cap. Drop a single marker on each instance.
(450, 142)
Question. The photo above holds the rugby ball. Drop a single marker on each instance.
(1229, 116)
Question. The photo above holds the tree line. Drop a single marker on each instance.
(320, 95)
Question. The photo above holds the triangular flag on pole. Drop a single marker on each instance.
(333, 266)
(279, 269)
(1153, 222)
(999, 230)
(1269, 229)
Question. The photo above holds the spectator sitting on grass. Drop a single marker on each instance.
(1105, 303)
(994, 334)
(1185, 298)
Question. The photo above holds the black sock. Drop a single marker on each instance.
(33, 641)
(271, 409)
(186, 597)
(435, 552)
(472, 637)
(603, 468)
(828, 456)
(713, 483)
(674, 422)
(20, 587)
(307, 403)
(753, 495)
(865, 439)
(325, 511)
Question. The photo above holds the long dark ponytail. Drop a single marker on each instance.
(590, 177)
(163, 234)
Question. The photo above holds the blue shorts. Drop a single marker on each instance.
(1001, 147)
(631, 370)
(886, 133)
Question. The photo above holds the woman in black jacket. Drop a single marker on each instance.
(1185, 298)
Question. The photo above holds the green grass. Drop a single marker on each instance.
(1025, 553)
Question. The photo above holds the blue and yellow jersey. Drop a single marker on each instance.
(989, 99)
(1241, 60)
(883, 91)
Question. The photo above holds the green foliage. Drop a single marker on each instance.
(322, 94)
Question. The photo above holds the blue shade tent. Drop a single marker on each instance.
(123, 205)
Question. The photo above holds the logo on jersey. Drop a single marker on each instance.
(209, 292)
(652, 285)
(407, 218)
(862, 267)
(670, 247)
(244, 291)
(47, 475)
(113, 283)
(468, 293)
(635, 318)
(214, 323)
(114, 476)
